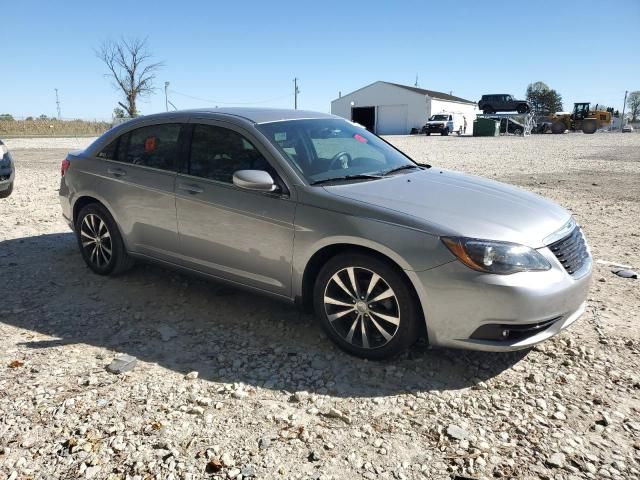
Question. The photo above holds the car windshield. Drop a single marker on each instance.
(438, 118)
(326, 149)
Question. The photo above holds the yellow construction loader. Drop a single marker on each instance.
(582, 118)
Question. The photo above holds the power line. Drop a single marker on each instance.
(200, 99)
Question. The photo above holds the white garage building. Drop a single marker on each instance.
(393, 109)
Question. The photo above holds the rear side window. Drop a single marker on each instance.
(154, 146)
(110, 152)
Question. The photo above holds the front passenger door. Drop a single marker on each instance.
(239, 235)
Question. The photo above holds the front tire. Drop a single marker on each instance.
(523, 108)
(100, 241)
(7, 192)
(365, 306)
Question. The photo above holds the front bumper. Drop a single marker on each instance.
(435, 128)
(457, 301)
(7, 176)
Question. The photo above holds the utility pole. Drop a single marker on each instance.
(624, 105)
(416, 84)
(166, 98)
(296, 91)
(58, 103)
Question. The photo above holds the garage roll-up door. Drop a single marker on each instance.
(392, 120)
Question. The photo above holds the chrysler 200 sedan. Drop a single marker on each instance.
(316, 210)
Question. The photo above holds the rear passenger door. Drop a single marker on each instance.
(139, 172)
(226, 231)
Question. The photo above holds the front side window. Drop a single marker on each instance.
(217, 153)
(324, 149)
(153, 146)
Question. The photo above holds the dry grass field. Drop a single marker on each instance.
(273, 398)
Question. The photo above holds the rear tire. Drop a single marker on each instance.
(488, 110)
(344, 296)
(7, 192)
(558, 127)
(428, 134)
(444, 132)
(523, 108)
(100, 241)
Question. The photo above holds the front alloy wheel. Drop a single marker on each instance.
(362, 307)
(366, 305)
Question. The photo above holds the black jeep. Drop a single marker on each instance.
(502, 102)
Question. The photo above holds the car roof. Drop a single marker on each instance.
(253, 115)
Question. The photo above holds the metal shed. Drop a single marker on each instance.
(393, 109)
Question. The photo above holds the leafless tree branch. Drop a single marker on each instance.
(130, 67)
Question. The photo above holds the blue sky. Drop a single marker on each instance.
(247, 52)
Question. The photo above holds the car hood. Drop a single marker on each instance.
(451, 203)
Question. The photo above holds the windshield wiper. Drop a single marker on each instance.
(403, 167)
(361, 176)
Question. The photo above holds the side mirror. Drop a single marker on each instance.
(257, 180)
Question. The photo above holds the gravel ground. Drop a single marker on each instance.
(272, 398)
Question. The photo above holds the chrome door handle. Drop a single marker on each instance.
(116, 172)
(192, 189)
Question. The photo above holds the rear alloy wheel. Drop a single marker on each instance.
(365, 306)
(100, 241)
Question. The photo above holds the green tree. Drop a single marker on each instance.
(633, 102)
(6, 116)
(543, 99)
(118, 113)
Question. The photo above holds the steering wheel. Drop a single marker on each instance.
(343, 157)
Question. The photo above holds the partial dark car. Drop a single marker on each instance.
(543, 125)
(7, 171)
(503, 102)
(509, 125)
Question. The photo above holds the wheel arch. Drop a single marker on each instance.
(322, 255)
(86, 199)
(83, 200)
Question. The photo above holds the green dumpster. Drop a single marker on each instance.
(486, 127)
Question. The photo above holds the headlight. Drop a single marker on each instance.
(489, 256)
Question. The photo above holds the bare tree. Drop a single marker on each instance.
(130, 67)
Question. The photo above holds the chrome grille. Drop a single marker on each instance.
(571, 251)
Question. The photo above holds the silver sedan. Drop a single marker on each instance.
(313, 209)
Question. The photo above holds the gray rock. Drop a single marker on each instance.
(556, 460)
(248, 471)
(264, 443)
(625, 273)
(457, 432)
(166, 332)
(122, 363)
(313, 456)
